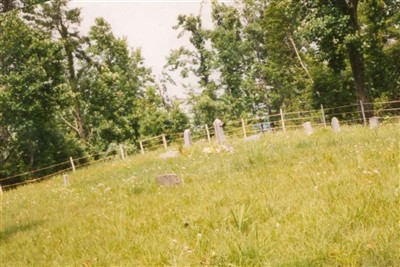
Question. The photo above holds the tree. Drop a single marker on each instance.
(32, 91)
(62, 22)
(112, 85)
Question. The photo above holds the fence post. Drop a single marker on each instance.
(1, 190)
(65, 176)
(208, 134)
(283, 121)
(141, 147)
(363, 113)
(323, 115)
(121, 151)
(164, 141)
(244, 129)
(72, 164)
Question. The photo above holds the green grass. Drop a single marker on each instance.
(285, 200)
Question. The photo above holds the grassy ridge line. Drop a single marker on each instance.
(287, 199)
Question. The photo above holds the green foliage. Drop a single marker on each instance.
(64, 94)
(32, 94)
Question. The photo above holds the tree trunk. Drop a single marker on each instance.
(356, 58)
(72, 83)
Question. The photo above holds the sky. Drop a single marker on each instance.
(145, 24)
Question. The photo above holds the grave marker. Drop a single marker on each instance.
(65, 176)
(374, 122)
(219, 131)
(335, 125)
(168, 180)
(187, 138)
(308, 128)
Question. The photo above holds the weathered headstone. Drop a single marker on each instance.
(374, 122)
(187, 138)
(219, 131)
(335, 125)
(169, 154)
(168, 180)
(308, 128)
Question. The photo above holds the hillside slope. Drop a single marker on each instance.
(286, 199)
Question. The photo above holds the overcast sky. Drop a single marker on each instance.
(146, 24)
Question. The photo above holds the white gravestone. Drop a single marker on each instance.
(187, 138)
(219, 131)
(335, 125)
(374, 123)
(308, 128)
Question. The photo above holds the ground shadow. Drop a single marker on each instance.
(22, 227)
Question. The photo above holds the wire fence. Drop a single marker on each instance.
(348, 115)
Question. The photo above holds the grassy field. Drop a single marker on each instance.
(284, 200)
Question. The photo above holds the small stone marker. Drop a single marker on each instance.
(335, 125)
(168, 180)
(65, 176)
(169, 154)
(1, 190)
(187, 138)
(219, 131)
(374, 122)
(308, 128)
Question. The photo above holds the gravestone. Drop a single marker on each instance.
(219, 131)
(308, 128)
(374, 122)
(65, 176)
(335, 125)
(168, 180)
(187, 138)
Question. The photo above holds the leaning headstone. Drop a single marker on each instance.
(168, 180)
(169, 154)
(308, 128)
(335, 125)
(374, 122)
(187, 138)
(219, 131)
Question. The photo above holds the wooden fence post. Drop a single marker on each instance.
(164, 141)
(121, 151)
(208, 134)
(363, 113)
(283, 121)
(72, 164)
(244, 129)
(141, 147)
(323, 115)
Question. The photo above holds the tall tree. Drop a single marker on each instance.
(336, 30)
(112, 84)
(63, 22)
(32, 92)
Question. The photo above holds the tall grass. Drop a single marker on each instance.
(284, 200)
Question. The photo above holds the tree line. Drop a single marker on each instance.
(66, 94)
(262, 55)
